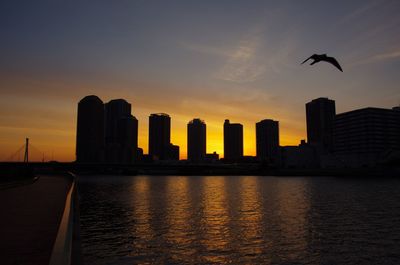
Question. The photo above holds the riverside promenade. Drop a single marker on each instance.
(30, 218)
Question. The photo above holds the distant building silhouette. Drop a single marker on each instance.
(366, 136)
(196, 140)
(115, 110)
(173, 152)
(121, 132)
(159, 135)
(320, 114)
(90, 130)
(212, 157)
(128, 139)
(301, 156)
(160, 147)
(233, 141)
(139, 154)
(267, 140)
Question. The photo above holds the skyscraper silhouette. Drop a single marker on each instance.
(90, 130)
(366, 136)
(159, 136)
(196, 140)
(128, 139)
(115, 110)
(267, 140)
(173, 152)
(233, 141)
(121, 130)
(320, 114)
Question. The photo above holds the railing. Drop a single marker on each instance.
(62, 249)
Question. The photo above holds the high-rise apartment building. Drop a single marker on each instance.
(365, 136)
(115, 110)
(196, 139)
(233, 141)
(160, 147)
(120, 132)
(320, 114)
(267, 140)
(90, 130)
(128, 139)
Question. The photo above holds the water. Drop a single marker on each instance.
(239, 220)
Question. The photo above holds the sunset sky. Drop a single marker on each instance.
(214, 60)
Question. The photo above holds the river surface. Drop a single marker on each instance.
(239, 220)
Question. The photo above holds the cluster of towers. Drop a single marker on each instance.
(106, 132)
(357, 138)
(109, 133)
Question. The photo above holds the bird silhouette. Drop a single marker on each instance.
(322, 57)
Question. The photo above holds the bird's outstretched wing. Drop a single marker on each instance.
(334, 62)
(306, 59)
(311, 57)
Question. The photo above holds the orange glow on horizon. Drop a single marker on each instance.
(50, 120)
(59, 145)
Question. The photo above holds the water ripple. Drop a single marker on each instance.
(239, 220)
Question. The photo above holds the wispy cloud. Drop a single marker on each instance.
(358, 12)
(255, 58)
(262, 50)
(206, 49)
(368, 27)
(389, 55)
(243, 65)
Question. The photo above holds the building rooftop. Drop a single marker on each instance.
(90, 98)
(159, 114)
(197, 120)
(366, 110)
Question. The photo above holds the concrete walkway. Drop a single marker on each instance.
(29, 219)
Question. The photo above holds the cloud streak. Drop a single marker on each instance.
(205, 49)
(380, 57)
(242, 66)
(358, 12)
(241, 63)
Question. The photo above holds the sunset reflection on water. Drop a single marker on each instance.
(250, 217)
(214, 229)
(235, 220)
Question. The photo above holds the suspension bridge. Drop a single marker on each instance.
(28, 153)
(37, 202)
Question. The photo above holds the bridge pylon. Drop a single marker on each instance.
(26, 157)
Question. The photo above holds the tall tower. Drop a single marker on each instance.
(115, 110)
(320, 115)
(90, 130)
(128, 139)
(159, 136)
(120, 132)
(196, 140)
(26, 156)
(365, 137)
(267, 140)
(233, 141)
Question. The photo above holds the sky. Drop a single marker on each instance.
(214, 60)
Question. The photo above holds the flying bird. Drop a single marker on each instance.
(322, 57)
